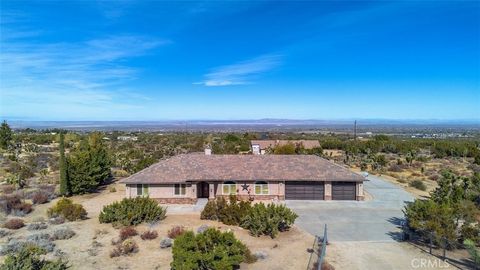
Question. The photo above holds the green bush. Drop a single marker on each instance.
(268, 219)
(132, 211)
(473, 251)
(67, 209)
(229, 213)
(28, 258)
(418, 184)
(211, 249)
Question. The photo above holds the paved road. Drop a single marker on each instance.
(373, 220)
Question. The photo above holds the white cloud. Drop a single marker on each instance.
(242, 72)
(88, 77)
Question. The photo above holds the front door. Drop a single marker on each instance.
(203, 190)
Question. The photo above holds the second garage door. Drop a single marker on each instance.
(304, 190)
(343, 191)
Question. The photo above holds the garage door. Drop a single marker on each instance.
(304, 190)
(343, 191)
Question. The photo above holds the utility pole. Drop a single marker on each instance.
(355, 130)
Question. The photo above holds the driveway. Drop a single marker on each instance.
(375, 220)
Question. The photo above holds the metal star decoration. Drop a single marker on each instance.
(245, 187)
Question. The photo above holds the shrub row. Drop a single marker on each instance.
(132, 211)
(258, 219)
(13, 204)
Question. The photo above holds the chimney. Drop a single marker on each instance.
(208, 151)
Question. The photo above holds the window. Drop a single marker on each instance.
(142, 189)
(229, 187)
(180, 189)
(261, 188)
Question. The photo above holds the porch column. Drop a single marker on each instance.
(328, 191)
(211, 191)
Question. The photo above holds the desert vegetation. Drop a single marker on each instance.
(132, 211)
(259, 219)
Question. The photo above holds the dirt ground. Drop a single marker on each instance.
(381, 256)
(288, 251)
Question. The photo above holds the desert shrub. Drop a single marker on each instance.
(4, 233)
(56, 220)
(132, 211)
(395, 168)
(166, 242)
(28, 258)
(472, 232)
(13, 245)
(112, 189)
(35, 226)
(229, 213)
(67, 209)
(268, 219)
(149, 235)
(403, 181)
(8, 189)
(176, 231)
(418, 184)
(124, 248)
(63, 233)
(40, 197)
(13, 203)
(248, 257)
(209, 250)
(434, 177)
(473, 251)
(42, 240)
(14, 224)
(127, 232)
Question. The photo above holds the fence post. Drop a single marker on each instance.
(430, 245)
(444, 248)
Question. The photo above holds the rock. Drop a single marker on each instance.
(261, 255)
(202, 228)
(166, 242)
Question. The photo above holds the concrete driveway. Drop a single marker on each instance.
(374, 220)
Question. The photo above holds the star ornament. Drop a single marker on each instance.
(245, 187)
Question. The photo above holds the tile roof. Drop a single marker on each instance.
(200, 167)
(307, 144)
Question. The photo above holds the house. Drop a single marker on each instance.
(187, 177)
(260, 147)
(127, 138)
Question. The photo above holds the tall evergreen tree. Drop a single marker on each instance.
(64, 184)
(88, 165)
(5, 135)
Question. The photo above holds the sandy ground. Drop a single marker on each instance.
(381, 256)
(288, 251)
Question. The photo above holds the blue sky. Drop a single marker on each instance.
(159, 60)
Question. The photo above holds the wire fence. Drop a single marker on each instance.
(453, 252)
(318, 251)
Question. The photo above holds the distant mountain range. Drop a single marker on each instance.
(258, 125)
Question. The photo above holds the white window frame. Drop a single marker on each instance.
(180, 189)
(261, 184)
(230, 185)
(143, 188)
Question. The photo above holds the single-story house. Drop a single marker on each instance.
(260, 147)
(187, 177)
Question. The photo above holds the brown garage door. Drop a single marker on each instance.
(343, 191)
(304, 190)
